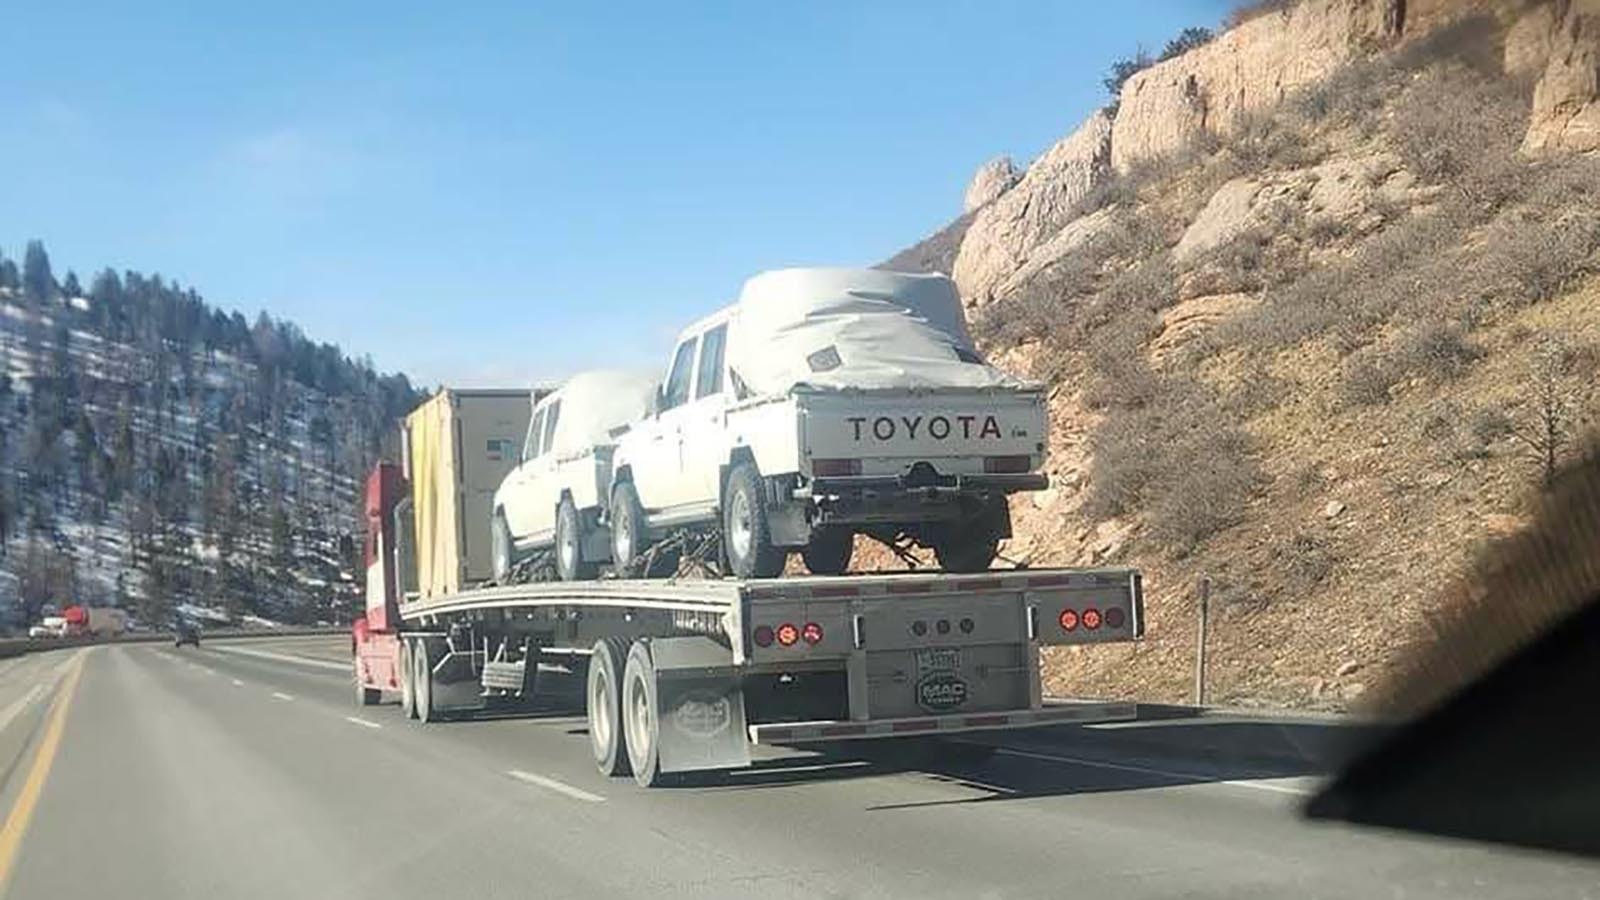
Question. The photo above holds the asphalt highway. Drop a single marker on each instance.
(246, 770)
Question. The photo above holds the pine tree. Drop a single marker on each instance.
(37, 280)
(10, 278)
(70, 286)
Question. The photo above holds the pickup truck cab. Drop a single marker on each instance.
(826, 403)
(552, 500)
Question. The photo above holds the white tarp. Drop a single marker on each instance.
(593, 404)
(853, 328)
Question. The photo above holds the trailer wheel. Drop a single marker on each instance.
(745, 537)
(603, 705)
(502, 554)
(570, 564)
(423, 682)
(829, 551)
(408, 688)
(639, 715)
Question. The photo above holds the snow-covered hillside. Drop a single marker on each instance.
(156, 453)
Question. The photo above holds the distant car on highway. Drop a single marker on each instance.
(553, 498)
(186, 632)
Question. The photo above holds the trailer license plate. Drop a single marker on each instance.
(940, 687)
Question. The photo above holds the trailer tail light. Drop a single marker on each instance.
(1069, 619)
(787, 634)
(1091, 618)
(1007, 465)
(824, 468)
(762, 635)
(1115, 617)
(811, 633)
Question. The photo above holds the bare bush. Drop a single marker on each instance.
(1490, 425)
(1254, 9)
(1458, 128)
(1546, 427)
(1440, 351)
(1533, 260)
(1304, 561)
(1368, 378)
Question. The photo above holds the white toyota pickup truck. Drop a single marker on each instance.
(553, 498)
(824, 403)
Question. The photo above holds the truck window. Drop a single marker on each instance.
(551, 415)
(709, 380)
(677, 392)
(530, 447)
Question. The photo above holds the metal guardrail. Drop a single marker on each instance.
(10, 647)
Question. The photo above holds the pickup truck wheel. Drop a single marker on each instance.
(569, 545)
(423, 683)
(627, 526)
(603, 705)
(408, 690)
(639, 715)
(501, 554)
(745, 537)
(965, 553)
(829, 550)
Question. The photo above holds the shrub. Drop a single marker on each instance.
(1187, 39)
(1368, 376)
(1437, 350)
(1458, 128)
(1244, 12)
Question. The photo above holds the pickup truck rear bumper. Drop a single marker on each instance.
(953, 485)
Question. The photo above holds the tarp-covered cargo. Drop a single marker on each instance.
(854, 328)
(596, 405)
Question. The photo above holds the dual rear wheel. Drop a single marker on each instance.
(620, 703)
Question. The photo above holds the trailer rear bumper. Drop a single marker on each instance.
(1074, 713)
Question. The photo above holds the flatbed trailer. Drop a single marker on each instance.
(688, 674)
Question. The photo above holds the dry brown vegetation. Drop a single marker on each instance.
(1333, 450)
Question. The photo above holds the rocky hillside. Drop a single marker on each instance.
(1317, 300)
(161, 455)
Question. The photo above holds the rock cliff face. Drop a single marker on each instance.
(1566, 99)
(1021, 224)
(992, 179)
(1004, 235)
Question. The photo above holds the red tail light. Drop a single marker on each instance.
(762, 635)
(1091, 618)
(787, 634)
(811, 633)
(1069, 619)
(1007, 465)
(1115, 617)
(824, 468)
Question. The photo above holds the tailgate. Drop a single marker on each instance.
(895, 429)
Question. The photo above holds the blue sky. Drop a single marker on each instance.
(493, 193)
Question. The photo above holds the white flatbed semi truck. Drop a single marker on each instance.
(685, 675)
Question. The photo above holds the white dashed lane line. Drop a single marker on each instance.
(238, 683)
(285, 657)
(279, 695)
(365, 723)
(1145, 770)
(559, 787)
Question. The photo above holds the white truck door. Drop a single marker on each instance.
(543, 492)
(518, 502)
(658, 468)
(703, 432)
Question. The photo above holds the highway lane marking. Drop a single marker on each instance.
(1146, 770)
(357, 720)
(33, 785)
(238, 683)
(17, 706)
(280, 695)
(285, 657)
(559, 787)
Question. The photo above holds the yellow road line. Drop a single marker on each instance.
(28, 797)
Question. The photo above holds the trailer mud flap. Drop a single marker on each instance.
(699, 706)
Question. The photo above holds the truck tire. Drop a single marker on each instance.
(965, 553)
(603, 705)
(746, 540)
(628, 539)
(570, 564)
(423, 683)
(639, 715)
(408, 688)
(829, 550)
(366, 696)
(502, 553)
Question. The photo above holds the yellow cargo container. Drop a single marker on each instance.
(458, 446)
